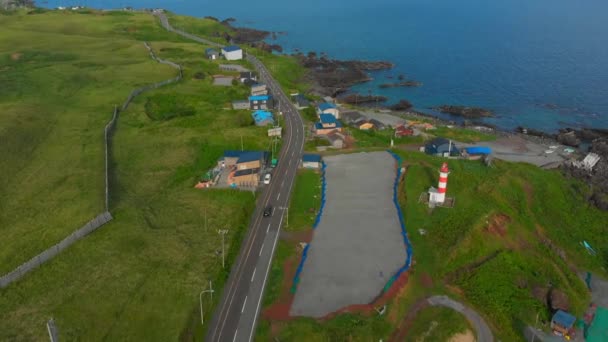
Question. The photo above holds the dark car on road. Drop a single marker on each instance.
(268, 211)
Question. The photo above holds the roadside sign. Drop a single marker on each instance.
(274, 132)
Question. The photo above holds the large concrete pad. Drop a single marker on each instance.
(358, 245)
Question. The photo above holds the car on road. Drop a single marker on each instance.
(268, 211)
(267, 178)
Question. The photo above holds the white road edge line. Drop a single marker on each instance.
(257, 309)
(253, 275)
(278, 195)
(261, 249)
(244, 302)
(236, 331)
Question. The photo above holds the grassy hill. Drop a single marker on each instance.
(138, 277)
(515, 229)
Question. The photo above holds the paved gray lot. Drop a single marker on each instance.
(357, 246)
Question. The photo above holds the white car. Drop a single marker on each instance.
(267, 178)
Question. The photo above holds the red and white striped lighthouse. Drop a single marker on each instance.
(443, 183)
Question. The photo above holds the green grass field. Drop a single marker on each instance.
(139, 277)
(305, 200)
(462, 134)
(535, 202)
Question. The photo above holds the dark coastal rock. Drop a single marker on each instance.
(212, 18)
(401, 84)
(597, 178)
(568, 137)
(465, 112)
(401, 105)
(357, 99)
(335, 76)
(534, 132)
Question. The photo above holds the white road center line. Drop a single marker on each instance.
(261, 249)
(267, 229)
(234, 339)
(253, 275)
(278, 195)
(245, 302)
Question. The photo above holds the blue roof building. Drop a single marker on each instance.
(259, 98)
(327, 119)
(319, 125)
(231, 48)
(325, 106)
(311, 161)
(478, 150)
(441, 147)
(247, 156)
(263, 118)
(562, 322)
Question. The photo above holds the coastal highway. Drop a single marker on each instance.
(235, 318)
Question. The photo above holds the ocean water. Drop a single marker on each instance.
(538, 63)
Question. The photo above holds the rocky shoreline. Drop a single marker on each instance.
(465, 112)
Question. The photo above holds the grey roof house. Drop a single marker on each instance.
(441, 147)
(212, 53)
(350, 118)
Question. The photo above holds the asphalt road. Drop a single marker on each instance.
(484, 334)
(235, 318)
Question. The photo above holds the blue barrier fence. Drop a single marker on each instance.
(296, 278)
(406, 241)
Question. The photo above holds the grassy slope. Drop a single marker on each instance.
(139, 277)
(305, 200)
(457, 237)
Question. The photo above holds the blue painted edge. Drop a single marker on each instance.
(406, 242)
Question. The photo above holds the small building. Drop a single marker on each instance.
(232, 158)
(350, 118)
(562, 323)
(221, 80)
(300, 101)
(233, 67)
(327, 124)
(250, 160)
(402, 131)
(212, 54)
(248, 77)
(441, 147)
(363, 125)
(245, 178)
(262, 118)
(232, 53)
(478, 150)
(329, 99)
(377, 124)
(328, 108)
(241, 104)
(335, 139)
(260, 102)
(259, 89)
(311, 161)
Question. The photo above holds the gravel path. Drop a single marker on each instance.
(484, 334)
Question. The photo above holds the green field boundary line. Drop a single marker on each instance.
(104, 217)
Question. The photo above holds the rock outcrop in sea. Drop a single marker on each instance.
(465, 112)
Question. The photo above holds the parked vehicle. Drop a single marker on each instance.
(267, 178)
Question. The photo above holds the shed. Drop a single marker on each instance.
(562, 322)
(377, 124)
(351, 117)
(300, 101)
(212, 53)
(232, 52)
(478, 150)
(336, 140)
(221, 80)
(311, 161)
(260, 102)
(240, 104)
(262, 118)
(441, 147)
(246, 76)
(259, 89)
(364, 124)
(246, 178)
(250, 160)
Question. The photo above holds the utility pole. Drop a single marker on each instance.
(223, 233)
(205, 219)
(200, 296)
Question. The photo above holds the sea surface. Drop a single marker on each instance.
(537, 63)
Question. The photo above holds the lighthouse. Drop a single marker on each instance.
(437, 196)
(443, 183)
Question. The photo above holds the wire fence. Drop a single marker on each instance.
(104, 217)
